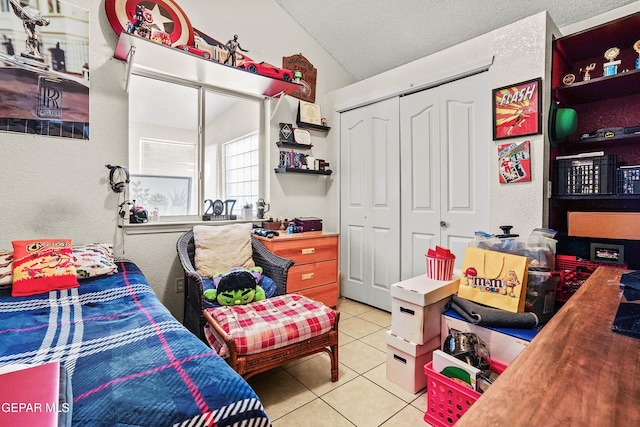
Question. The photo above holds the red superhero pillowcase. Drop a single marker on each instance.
(42, 265)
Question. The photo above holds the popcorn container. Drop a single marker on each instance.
(440, 263)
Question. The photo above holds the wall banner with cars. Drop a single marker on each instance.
(44, 70)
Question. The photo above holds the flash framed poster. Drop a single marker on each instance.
(516, 110)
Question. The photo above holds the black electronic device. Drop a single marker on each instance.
(265, 233)
(118, 178)
(137, 214)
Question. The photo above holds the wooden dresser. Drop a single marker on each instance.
(315, 272)
(575, 372)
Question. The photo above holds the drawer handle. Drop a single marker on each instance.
(407, 311)
(308, 251)
(400, 359)
(307, 276)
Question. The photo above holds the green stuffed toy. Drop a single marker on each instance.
(237, 286)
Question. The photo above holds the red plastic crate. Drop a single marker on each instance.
(573, 273)
(448, 400)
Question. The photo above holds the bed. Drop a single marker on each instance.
(131, 363)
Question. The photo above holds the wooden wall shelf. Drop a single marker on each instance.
(149, 58)
(603, 102)
(600, 88)
(313, 126)
(294, 146)
(303, 171)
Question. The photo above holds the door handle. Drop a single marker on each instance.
(443, 224)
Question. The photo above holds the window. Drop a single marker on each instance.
(241, 170)
(203, 142)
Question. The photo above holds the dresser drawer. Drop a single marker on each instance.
(326, 294)
(310, 275)
(307, 250)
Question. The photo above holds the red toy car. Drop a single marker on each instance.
(267, 70)
(191, 49)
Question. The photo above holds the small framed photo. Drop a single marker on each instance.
(610, 254)
(516, 110)
(302, 137)
(309, 113)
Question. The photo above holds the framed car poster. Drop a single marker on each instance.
(516, 110)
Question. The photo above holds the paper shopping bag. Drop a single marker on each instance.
(495, 279)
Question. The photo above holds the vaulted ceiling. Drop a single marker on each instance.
(368, 37)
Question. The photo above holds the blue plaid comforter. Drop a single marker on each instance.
(130, 361)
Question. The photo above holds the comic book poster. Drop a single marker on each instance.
(516, 110)
(514, 162)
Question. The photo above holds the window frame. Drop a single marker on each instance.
(263, 142)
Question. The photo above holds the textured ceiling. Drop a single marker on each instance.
(368, 37)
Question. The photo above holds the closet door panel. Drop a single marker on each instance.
(356, 135)
(466, 146)
(380, 177)
(420, 179)
(370, 198)
(458, 156)
(418, 259)
(383, 245)
(355, 256)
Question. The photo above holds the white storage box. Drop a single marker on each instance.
(416, 306)
(406, 360)
(504, 344)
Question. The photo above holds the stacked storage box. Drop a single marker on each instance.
(416, 308)
(504, 344)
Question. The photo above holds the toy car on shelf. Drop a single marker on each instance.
(268, 70)
(195, 51)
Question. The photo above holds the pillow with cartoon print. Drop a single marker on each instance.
(41, 266)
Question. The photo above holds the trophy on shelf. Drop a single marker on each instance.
(611, 67)
(589, 68)
(636, 47)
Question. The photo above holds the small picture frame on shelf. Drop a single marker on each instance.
(302, 137)
(286, 133)
(516, 110)
(309, 112)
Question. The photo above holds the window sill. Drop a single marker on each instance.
(168, 226)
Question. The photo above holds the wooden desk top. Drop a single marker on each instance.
(575, 372)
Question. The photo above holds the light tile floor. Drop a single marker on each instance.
(301, 393)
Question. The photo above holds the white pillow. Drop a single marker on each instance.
(6, 269)
(221, 247)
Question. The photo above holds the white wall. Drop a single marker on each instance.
(52, 187)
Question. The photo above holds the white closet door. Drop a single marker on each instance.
(420, 178)
(370, 200)
(466, 153)
(445, 146)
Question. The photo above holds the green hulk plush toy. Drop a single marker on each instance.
(237, 286)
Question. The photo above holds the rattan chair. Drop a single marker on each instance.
(274, 267)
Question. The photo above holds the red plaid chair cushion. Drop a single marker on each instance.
(269, 324)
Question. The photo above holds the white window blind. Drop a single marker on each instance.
(241, 170)
(168, 158)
